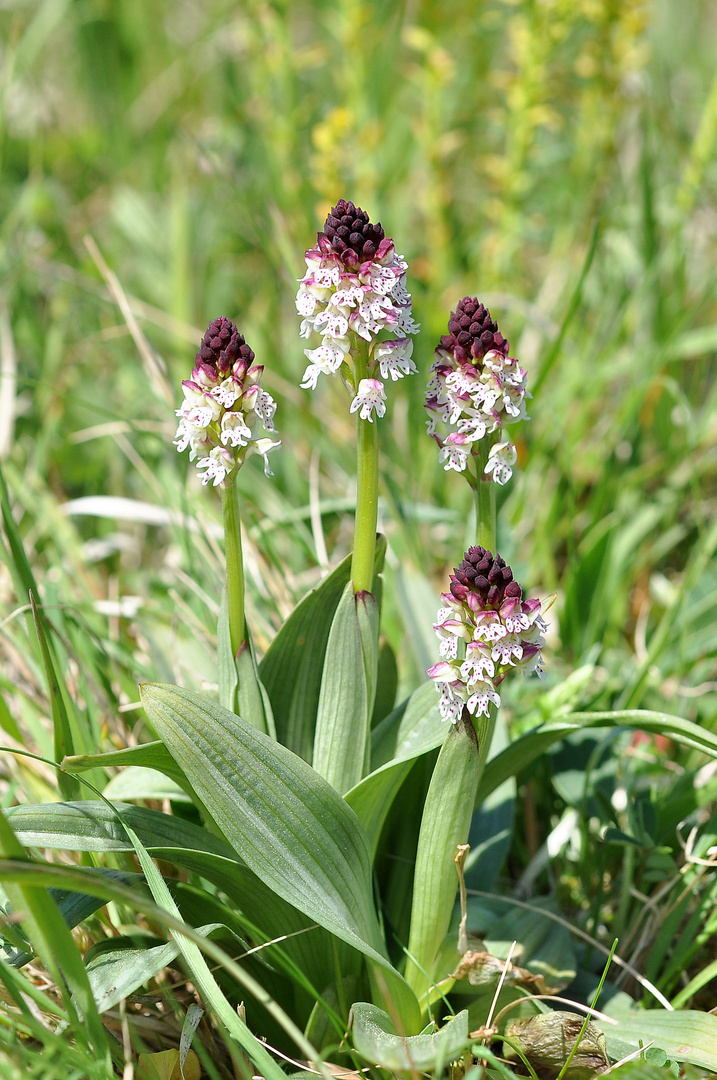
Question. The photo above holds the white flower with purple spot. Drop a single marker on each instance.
(371, 397)
(501, 459)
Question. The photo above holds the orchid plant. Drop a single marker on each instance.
(299, 784)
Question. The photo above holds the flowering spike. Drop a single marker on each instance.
(223, 406)
(485, 611)
(355, 290)
(475, 389)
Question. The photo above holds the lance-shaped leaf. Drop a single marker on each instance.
(74, 907)
(292, 667)
(376, 1040)
(413, 729)
(284, 820)
(343, 718)
(684, 1034)
(445, 824)
(151, 755)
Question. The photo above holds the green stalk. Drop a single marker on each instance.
(367, 491)
(235, 567)
(484, 491)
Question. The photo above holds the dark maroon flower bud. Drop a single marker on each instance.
(352, 236)
(485, 575)
(222, 346)
(472, 332)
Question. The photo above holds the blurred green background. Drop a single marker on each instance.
(166, 163)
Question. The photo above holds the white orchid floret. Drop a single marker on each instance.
(394, 358)
(501, 459)
(486, 630)
(262, 447)
(371, 397)
(224, 404)
(218, 465)
(455, 451)
(235, 430)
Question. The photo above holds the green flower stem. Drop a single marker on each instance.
(235, 567)
(367, 492)
(485, 499)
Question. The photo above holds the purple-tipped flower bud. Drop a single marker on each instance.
(223, 406)
(351, 234)
(497, 630)
(475, 389)
(472, 333)
(355, 288)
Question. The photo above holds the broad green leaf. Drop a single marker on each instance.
(75, 907)
(240, 688)
(368, 612)
(375, 1038)
(546, 947)
(288, 824)
(684, 1035)
(43, 875)
(445, 824)
(491, 829)
(413, 729)
(341, 738)
(386, 683)
(292, 667)
(252, 699)
(226, 666)
(93, 826)
(521, 753)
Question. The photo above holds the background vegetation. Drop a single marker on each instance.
(163, 164)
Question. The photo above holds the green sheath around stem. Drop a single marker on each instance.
(366, 492)
(235, 567)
